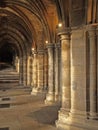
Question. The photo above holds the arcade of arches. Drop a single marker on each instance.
(52, 45)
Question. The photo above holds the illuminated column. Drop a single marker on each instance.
(17, 64)
(65, 55)
(50, 95)
(32, 83)
(57, 72)
(65, 65)
(45, 70)
(25, 70)
(29, 70)
(64, 112)
(97, 13)
(40, 68)
(34, 78)
(21, 71)
(93, 72)
(97, 67)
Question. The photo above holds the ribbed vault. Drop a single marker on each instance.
(34, 20)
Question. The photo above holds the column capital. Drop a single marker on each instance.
(41, 51)
(63, 31)
(97, 30)
(50, 45)
(34, 52)
(92, 31)
(91, 27)
(65, 37)
(57, 45)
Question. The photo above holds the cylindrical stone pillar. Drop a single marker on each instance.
(17, 64)
(32, 83)
(65, 65)
(34, 67)
(25, 70)
(40, 62)
(31, 68)
(93, 72)
(21, 71)
(97, 66)
(57, 72)
(28, 71)
(45, 71)
(50, 94)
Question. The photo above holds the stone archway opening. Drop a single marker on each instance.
(7, 56)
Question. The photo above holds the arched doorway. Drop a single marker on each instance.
(7, 56)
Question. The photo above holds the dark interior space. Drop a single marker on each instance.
(7, 56)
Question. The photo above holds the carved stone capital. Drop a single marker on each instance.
(57, 45)
(91, 29)
(41, 52)
(50, 45)
(63, 31)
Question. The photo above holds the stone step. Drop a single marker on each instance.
(9, 80)
(9, 77)
(5, 73)
(8, 74)
(14, 91)
(10, 101)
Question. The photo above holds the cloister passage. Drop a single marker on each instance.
(49, 57)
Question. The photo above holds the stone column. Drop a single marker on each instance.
(40, 62)
(45, 71)
(17, 64)
(25, 70)
(29, 70)
(64, 112)
(65, 64)
(93, 72)
(97, 66)
(57, 73)
(97, 12)
(32, 83)
(50, 94)
(34, 78)
(21, 71)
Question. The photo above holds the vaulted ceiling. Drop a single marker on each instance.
(27, 23)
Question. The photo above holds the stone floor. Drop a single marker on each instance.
(26, 112)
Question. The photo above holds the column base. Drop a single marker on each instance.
(50, 99)
(21, 84)
(93, 116)
(57, 98)
(36, 91)
(76, 122)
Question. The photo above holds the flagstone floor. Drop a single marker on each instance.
(27, 112)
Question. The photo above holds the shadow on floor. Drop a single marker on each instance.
(46, 115)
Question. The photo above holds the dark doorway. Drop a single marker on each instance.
(7, 55)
